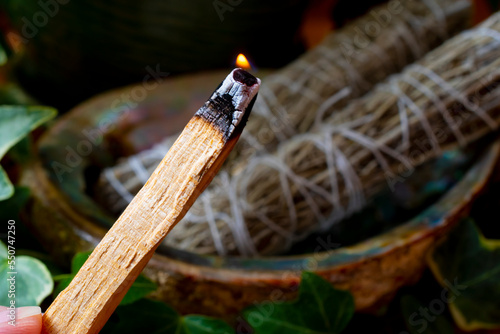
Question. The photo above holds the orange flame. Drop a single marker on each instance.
(241, 61)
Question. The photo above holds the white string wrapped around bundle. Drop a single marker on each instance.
(451, 97)
(345, 65)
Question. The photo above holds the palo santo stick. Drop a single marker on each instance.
(187, 169)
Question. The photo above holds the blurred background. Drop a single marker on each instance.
(71, 50)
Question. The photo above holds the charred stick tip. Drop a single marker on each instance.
(231, 103)
(244, 77)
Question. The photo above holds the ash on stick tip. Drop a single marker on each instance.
(244, 77)
(230, 104)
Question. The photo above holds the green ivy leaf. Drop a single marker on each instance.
(149, 316)
(65, 279)
(139, 289)
(417, 323)
(30, 277)
(63, 282)
(319, 308)
(15, 123)
(468, 265)
(144, 316)
(197, 324)
(3, 251)
(6, 187)
(78, 261)
(53, 268)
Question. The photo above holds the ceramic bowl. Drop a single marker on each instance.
(93, 135)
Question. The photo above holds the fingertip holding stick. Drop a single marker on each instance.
(186, 170)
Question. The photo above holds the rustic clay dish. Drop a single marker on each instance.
(67, 220)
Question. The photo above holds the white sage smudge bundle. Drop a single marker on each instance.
(451, 97)
(312, 180)
(347, 64)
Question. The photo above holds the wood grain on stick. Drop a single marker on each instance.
(187, 169)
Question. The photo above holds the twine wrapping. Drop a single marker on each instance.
(262, 202)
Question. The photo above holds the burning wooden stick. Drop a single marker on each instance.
(186, 170)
